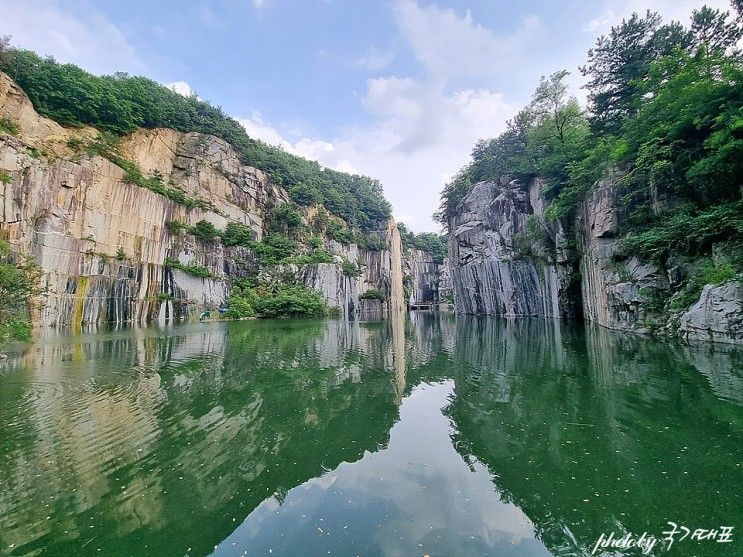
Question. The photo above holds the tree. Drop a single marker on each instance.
(619, 63)
(712, 29)
(6, 54)
(305, 194)
(549, 100)
(452, 195)
(19, 280)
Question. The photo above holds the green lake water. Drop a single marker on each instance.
(423, 435)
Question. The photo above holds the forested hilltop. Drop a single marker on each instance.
(664, 119)
(120, 103)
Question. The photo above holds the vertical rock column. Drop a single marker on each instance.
(396, 295)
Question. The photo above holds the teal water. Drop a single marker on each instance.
(424, 435)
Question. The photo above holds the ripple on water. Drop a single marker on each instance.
(151, 442)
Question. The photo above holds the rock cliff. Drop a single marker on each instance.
(505, 258)
(622, 292)
(617, 293)
(380, 270)
(421, 278)
(427, 282)
(717, 316)
(102, 242)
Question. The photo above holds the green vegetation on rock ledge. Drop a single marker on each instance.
(665, 120)
(248, 299)
(19, 278)
(120, 103)
(373, 294)
(6, 126)
(192, 269)
(435, 244)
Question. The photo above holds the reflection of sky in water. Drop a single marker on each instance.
(416, 496)
(433, 435)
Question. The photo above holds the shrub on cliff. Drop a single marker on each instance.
(709, 272)
(284, 219)
(370, 241)
(236, 234)
(242, 300)
(373, 294)
(204, 231)
(351, 269)
(192, 269)
(338, 232)
(19, 278)
(688, 231)
(6, 126)
(292, 301)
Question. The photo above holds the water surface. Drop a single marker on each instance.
(431, 434)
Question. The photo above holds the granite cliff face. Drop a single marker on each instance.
(381, 270)
(427, 281)
(622, 292)
(421, 278)
(717, 316)
(102, 242)
(505, 258)
(616, 294)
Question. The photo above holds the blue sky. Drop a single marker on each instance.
(397, 90)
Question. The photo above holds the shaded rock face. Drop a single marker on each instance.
(717, 316)
(446, 289)
(422, 277)
(102, 242)
(622, 292)
(427, 283)
(490, 273)
(618, 293)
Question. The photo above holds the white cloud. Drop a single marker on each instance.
(182, 88)
(322, 151)
(90, 40)
(258, 129)
(375, 60)
(258, 4)
(420, 139)
(449, 45)
(602, 23)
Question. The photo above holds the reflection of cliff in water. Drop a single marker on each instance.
(124, 430)
(594, 431)
(587, 431)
